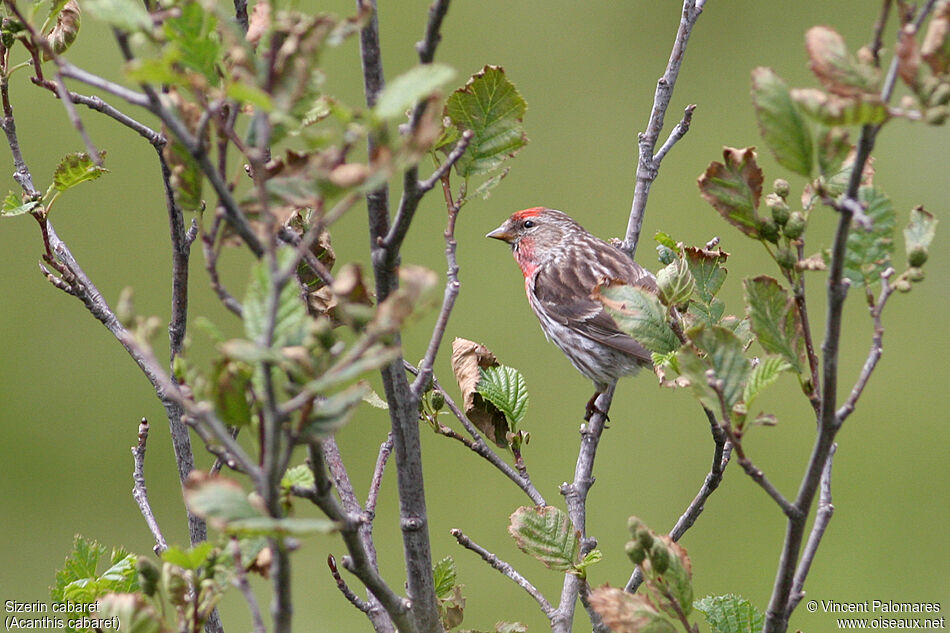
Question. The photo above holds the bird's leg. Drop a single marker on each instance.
(592, 408)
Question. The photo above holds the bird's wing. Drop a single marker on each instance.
(564, 291)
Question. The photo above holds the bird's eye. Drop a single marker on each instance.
(528, 224)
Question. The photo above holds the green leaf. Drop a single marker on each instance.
(489, 105)
(75, 169)
(300, 475)
(127, 15)
(546, 533)
(640, 314)
(868, 252)
(706, 268)
(830, 109)
(186, 176)
(920, 231)
(591, 558)
(332, 413)
(193, 35)
(505, 388)
(722, 352)
(13, 206)
(835, 67)
(775, 321)
(79, 581)
(444, 574)
(730, 614)
(763, 375)
(411, 87)
(734, 188)
(292, 526)
(230, 382)
(192, 558)
(290, 323)
(667, 241)
(781, 123)
(675, 283)
(219, 500)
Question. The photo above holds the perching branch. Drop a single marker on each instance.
(139, 491)
(508, 571)
(648, 165)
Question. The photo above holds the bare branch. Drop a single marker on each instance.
(822, 517)
(648, 165)
(139, 491)
(385, 451)
(88, 78)
(351, 597)
(448, 163)
(678, 132)
(508, 571)
(211, 266)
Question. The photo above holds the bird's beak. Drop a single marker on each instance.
(502, 233)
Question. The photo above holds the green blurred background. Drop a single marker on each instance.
(70, 398)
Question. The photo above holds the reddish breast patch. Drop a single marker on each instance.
(524, 255)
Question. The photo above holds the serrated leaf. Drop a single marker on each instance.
(835, 68)
(468, 359)
(830, 109)
(764, 374)
(300, 475)
(546, 533)
(591, 558)
(640, 314)
(624, 612)
(75, 169)
(868, 252)
(68, 20)
(775, 321)
(127, 15)
(13, 206)
(730, 614)
(489, 105)
(505, 387)
(920, 231)
(192, 558)
(230, 382)
(444, 574)
(781, 123)
(734, 188)
(292, 317)
(409, 88)
(193, 35)
(722, 352)
(706, 268)
(79, 581)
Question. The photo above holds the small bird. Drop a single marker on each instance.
(562, 265)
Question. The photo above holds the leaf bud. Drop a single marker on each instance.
(768, 230)
(915, 274)
(902, 285)
(634, 524)
(636, 553)
(781, 187)
(666, 254)
(125, 307)
(937, 115)
(917, 257)
(659, 558)
(175, 584)
(645, 538)
(148, 575)
(786, 258)
(779, 207)
(438, 400)
(795, 226)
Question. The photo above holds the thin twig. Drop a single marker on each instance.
(351, 597)
(648, 164)
(575, 496)
(88, 78)
(822, 517)
(875, 352)
(382, 458)
(211, 267)
(507, 570)
(139, 491)
(240, 579)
